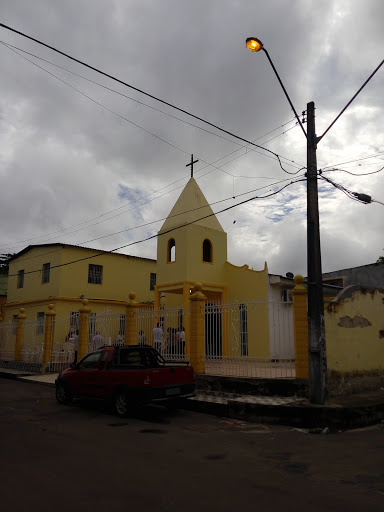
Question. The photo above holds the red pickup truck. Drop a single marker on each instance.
(128, 375)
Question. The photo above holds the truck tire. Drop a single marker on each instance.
(121, 404)
(63, 396)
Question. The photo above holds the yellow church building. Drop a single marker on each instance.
(248, 313)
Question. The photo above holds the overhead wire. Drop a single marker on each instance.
(356, 196)
(159, 220)
(353, 173)
(12, 47)
(164, 232)
(353, 161)
(124, 118)
(144, 92)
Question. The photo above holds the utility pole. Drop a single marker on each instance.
(316, 330)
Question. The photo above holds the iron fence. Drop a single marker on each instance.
(249, 339)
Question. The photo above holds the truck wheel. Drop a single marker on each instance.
(121, 404)
(63, 396)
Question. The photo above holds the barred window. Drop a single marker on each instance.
(20, 279)
(95, 274)
(46, 272)
(152, 281)
(40, 322)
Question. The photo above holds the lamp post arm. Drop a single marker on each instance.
(285, 92)
(350, 101)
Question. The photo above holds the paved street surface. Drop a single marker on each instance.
(56, 458)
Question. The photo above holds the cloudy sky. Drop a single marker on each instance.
(87, 161)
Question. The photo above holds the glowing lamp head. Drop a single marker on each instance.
(254, 44)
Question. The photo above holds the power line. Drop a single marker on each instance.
(153, 222)
(351, 100)
(356, 196)
(144, 92)
(124, 118)
(13, 48)
(353, 161)
(164, 232)
(353, 173)
(163, 140)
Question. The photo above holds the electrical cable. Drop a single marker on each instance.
(164, 232)
(145, 93)
(353, 161)
(13, 48)
(159, 220)
(350, 101)
(353, 173)
(124, 118)
(356, 196)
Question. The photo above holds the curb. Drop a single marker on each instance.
(335, 417)
(30, 381)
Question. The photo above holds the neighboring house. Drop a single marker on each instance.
(369, 276)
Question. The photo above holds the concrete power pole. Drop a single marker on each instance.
(316, 331)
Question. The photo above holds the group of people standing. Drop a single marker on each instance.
(174, 342)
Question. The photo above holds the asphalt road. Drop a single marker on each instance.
(81, 457)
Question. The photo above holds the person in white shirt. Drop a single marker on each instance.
(75, 338)
(181, 341)
(120, 339)
(141, 339)
(158, 335)
(97, 341)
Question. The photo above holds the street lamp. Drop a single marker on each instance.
(316, 332)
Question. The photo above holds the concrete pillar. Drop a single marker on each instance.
(300, 327)
(19, 333)
(197, 330)
(83, 334)
(49, 332)
(130, 321)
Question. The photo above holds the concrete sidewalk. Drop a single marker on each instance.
(338, 413)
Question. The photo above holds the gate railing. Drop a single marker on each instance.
(249, 339)
(172, 340)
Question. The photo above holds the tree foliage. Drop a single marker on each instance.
(4, 262)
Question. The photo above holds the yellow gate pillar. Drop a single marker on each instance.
(130, 321)
(197, 329)
(300, 327)
(19, 333)
(49, 332)
(83, 334)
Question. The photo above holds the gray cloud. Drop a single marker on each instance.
(65, 160)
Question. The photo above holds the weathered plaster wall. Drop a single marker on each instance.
(354, 325)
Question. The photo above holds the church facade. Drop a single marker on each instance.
(192, 247)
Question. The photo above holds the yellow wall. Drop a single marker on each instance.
(121, 275)
(189, 264)
(33, 286)
(356, 348)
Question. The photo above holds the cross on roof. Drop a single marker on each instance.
(191, 164)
